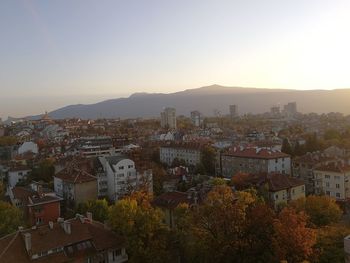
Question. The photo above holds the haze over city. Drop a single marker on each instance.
(58, 53)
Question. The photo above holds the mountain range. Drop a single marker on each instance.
(209, 99)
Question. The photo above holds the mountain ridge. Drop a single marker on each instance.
(207, 99)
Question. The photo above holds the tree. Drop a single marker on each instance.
(208, 159)
(10, 218)
(299, 150)
(142, 225)
(98, 208)
(286, 147)
(293, 241)
(321, 210)
(44, 171)
(330, 244)
(332, 134)
(159, 176)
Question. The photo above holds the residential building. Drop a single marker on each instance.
(75, 185)
(118, 177)
(168, 118)
(303, 168)
(39, 207)
(28, 147)
(333, 180)
(254, 160)
(93, 147)
(79, 239)
(17, 174)
(189, 152)
(290, 109)
(196, 118)
(278, 188)
(233, 111)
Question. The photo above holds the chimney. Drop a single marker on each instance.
(89, 216)
(28, 241)
(50, 224)
(67, 227)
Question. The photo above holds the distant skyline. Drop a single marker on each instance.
(55, 53)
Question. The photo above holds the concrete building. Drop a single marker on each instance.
(190, 153)
(75, 185)
(17, 174)
(196, 118)
(168, 118)
(303, 168)
(93, 147)
(254, 160)
(118, 177)
(233, 111)
(290, 109)
(333, 180)
(79, 239)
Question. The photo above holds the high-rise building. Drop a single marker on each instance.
(168, 118)
(196, 118)
(275, 111)
(233, 111)
(290, 109)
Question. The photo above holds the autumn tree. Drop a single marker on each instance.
(143, 227)
(321, 210)
(10, 218)
(293, 240)
(44, 171)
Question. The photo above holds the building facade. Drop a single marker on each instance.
(190, 154)
(168, 118)
(254, 160)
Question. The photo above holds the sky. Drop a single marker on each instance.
(54, 53)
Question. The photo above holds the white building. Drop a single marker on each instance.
(191, 155)
(118, 176)
(28, 147)
(196, 118)
(168, 118)
(17, 174)
(333, 180)
(233, 111)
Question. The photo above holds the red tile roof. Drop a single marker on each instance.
(12, 247)
(257, 153)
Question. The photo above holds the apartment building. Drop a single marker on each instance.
(190, 153)
(254, 160)
(333, 180)
(168, 118)
(118, 176)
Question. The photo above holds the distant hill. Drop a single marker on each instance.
(210, 98)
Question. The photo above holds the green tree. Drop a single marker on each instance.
(321, 210)
(330, 244)
(10, 218)
(286, 147)
(98, 208)
(44, 171)
(208, 157)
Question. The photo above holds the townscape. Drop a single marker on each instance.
(268, 187)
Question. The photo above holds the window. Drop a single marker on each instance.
(327, 184)
(327, 176)
(121, 167)
(337, 186)
(337, 195)
(130, 166)
(276, 160)
(328, 193)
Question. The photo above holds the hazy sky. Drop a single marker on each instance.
(54, 53)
